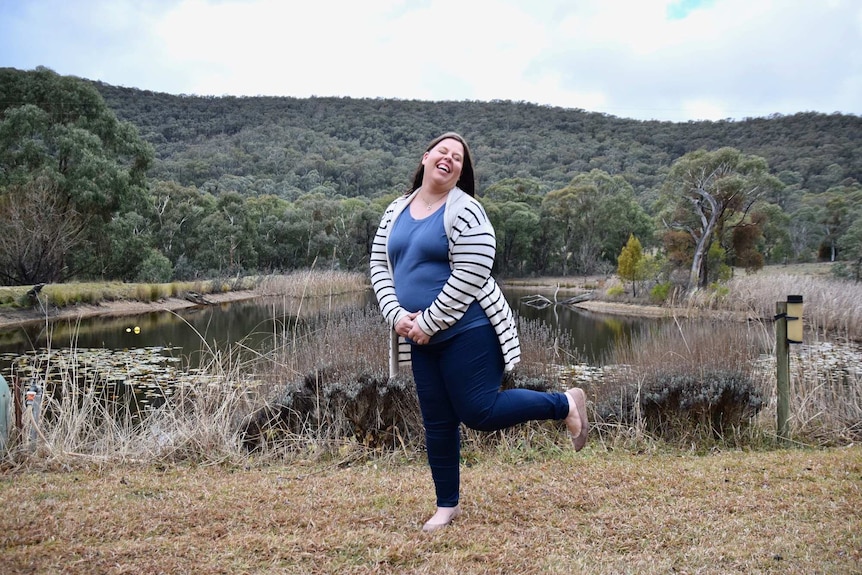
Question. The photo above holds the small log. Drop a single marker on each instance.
(578, 298)
(197, 298)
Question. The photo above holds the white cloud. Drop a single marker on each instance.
(666, 59)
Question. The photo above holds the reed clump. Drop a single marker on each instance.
(313, 283)
(826, 397)
(833, 307)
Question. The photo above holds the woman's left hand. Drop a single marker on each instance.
(417, 335)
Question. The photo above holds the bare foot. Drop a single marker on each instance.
(576, 421)
(443, 517)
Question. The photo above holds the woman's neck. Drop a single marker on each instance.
(429, 190)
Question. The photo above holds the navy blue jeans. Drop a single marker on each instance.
(458, 380)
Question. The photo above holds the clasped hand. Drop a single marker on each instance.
(408, 327)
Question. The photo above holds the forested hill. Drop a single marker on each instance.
(365, 147)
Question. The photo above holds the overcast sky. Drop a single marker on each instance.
(673, 60)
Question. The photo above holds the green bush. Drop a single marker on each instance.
(659, 292)
(615, 291)
(155, 268)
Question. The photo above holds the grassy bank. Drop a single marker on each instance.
(302, 283)
(601, 512)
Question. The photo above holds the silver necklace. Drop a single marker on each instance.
(429, 205)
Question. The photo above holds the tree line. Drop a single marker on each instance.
(98, 181)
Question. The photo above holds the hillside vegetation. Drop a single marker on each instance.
(133, 185)
(365, 147)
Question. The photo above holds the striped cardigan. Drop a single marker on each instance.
(472, 247)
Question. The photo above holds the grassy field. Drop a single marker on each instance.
(180, 494)
(600, 511)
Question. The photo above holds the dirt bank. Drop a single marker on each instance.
(18, 317)
(655, 311)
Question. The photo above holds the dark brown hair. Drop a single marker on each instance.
(467, 181)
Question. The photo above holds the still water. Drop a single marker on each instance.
(253, 323)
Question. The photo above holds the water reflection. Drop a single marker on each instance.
(591, 335)
(254, 323)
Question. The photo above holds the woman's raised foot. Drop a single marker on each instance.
(576, 420)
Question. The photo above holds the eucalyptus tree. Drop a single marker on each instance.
(313, 232)
(355, 225)
(802, 231)
(178, 214)
(513, 207)
(592, 219)
(619, 215)
(516, 225)
(703, 191)
(563, 215)
(270, 232)
(68, 167)
(775, 241)
(851, 246)
(225, 238)
(834, 211)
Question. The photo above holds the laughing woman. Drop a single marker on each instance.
(431, 266)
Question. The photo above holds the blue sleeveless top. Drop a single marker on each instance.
(419, 252)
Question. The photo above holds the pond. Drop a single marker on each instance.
(146, 351)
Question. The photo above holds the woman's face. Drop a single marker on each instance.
(443, 163)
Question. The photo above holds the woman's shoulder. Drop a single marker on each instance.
(466, 211)
(396, 204)
(462, 199)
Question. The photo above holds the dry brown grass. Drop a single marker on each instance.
(788, 512)
(832, 307)
(313, 283)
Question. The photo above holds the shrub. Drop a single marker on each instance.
(681, 380)
(370, 408)
(155, 268)
(615, 291)
(659, 292)
(678, 405)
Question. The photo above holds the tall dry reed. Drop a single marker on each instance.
(683, 381)
(826, 393)
(312, 283)
(833, 307)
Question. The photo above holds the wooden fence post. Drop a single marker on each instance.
(782, 365)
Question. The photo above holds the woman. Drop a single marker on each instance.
(431, 271)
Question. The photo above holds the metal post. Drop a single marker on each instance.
(5, 415)
(34, 405)
(782, 364)
(19, 408)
